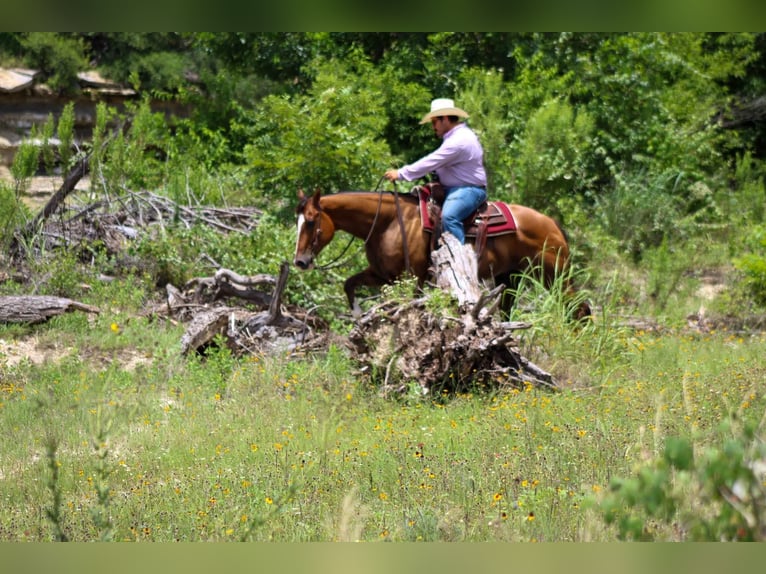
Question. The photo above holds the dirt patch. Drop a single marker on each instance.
(30, 349)
(15, 351)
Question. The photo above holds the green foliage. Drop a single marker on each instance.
(104, 115)
(280, 56)
(60, 57)
(328, 138)
(154, 62)
(65, 132)
(485, 97)
(651, 99)
(159, 72)
(747, 201)
(404, 102)
(170, 257)
(400, 291)
(643, 210)
(62, 272)
(550, 162)
(753, 264)
(718, 495)
(44, 135)
(13, 213)
(138, 159)
(24, 165)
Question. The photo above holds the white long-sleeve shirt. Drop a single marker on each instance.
(458, 161)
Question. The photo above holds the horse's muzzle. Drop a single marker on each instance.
(304, 262)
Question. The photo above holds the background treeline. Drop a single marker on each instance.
(638, 142)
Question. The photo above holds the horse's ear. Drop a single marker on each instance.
(301, 195)
(316, 196)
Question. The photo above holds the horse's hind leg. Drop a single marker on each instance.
(508, 297)
(366, 278)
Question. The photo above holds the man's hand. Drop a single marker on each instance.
(391, 174)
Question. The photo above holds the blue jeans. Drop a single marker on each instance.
(459, 204)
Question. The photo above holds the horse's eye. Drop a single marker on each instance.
(310, 224)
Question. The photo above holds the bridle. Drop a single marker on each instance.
(337, 262)
(318, 232)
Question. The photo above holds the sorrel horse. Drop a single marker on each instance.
(378, 217)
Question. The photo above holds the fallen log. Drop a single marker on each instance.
(204, 328)
(38, 308)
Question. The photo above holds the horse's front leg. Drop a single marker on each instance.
(366, 278)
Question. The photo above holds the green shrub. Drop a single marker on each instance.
(13, 213)
(714, 495)
(65, 132)
(641, 211)
(753, 264)
(485, 97)
(58, 56)
(550, 159)
(24, 165)
(329, 138)
(747, 201)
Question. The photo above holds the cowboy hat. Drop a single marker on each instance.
(443, 107)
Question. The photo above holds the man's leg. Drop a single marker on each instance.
(459, 204)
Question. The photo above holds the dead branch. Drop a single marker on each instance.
(243, 331)
(227, 283)
(78, 171)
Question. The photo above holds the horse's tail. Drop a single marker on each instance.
(584, 310)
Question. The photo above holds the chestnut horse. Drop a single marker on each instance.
(374, 216)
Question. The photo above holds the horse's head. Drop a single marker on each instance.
(315, 230)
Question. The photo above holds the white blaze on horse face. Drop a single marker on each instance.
(298, 255)
(301, 221)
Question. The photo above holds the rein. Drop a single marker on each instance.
(407, 266)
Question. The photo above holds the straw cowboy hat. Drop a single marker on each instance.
(443, 107)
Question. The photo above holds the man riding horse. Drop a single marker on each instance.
(396, 239)
(458, 162)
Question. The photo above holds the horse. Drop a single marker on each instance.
(396, 240)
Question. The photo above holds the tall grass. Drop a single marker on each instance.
(580, 353)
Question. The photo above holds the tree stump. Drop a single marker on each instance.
(409, 344)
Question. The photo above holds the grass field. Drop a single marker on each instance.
(110, 434)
